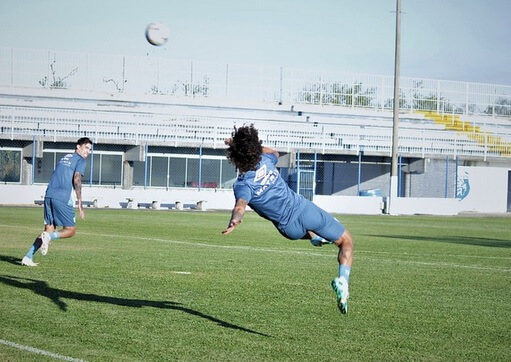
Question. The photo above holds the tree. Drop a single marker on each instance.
(9, 166)
(339, 93)
(190, 89)
(403, 104)
(120, 88)
(56, 82)
(502, 107)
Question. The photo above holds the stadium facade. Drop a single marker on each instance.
(158, 127)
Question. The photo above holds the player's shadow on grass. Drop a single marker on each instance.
(57, 295)
(10, 259)
(466, 240)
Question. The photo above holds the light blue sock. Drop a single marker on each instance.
(344, 271)
(35, 246)
(317, 238)
(54, 235)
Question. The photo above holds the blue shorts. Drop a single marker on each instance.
(58, 213)
(315, 219)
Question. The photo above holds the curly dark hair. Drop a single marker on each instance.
(245, 148)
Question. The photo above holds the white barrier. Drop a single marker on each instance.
(24, 195)
(480, 189)
(426, 206)
(350, 204)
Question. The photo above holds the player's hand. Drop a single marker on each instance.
(231, 226)
(228, 230)
(82, 214)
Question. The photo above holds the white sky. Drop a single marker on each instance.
(466, 40)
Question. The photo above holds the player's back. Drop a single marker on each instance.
(270, 196)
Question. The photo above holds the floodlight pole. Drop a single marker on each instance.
(395, 122)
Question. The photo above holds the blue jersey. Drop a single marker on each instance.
(61, 181)
(267, 193)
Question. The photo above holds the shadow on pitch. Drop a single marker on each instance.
(57, 295)
(466, 240)
(10, 259)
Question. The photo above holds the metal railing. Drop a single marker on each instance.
(101, 75)
(181, 130)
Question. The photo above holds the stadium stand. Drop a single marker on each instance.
(159, 117)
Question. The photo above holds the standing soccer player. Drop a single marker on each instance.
(260, 186)
(58, 202)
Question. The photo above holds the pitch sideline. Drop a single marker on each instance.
(39, 351)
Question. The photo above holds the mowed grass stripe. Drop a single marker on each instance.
(305, 252)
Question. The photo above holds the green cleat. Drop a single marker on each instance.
(340, 287)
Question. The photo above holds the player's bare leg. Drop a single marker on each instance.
(345, 244)
(67, 232)
(50, 234)
(345, 257)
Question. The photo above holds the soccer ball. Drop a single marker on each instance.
(157, 34)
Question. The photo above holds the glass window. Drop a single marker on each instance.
(192, 172)
(106, 169)
(10, 166)
(177, 172)
(159, 171)
(138, 173)
(94, 161)
(45, 167)
(170, 171)
(210, 173)
(228, 175)
(111, 170)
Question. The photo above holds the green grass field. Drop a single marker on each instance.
(141, 285)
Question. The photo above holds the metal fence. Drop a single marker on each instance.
(32, 162)
(164, 167)
(50, 123)
(316, 174)
(156, 76)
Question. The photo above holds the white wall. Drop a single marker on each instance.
(482, 189)
(220, 200)
(20, 195)
(350, 204)
(424, 206)
(479, 189)
(117, 198)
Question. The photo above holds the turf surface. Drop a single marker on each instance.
(164, 285)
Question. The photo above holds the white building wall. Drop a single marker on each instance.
(480, 189)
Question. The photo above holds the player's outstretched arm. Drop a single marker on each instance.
(270, 150)
(237, 215)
